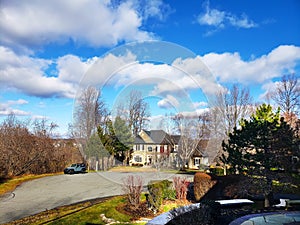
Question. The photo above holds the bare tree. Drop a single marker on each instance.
(42, 128)
(192, 129)
(135, 112)
(226, 110)
(25, 149)
(229, 107)
(287, 94)
(90, 112)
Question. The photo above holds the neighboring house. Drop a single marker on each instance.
(156, 146)
(151, 147)
(199, 156)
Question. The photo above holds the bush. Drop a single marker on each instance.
(155, 195)
(168, 190)
(219, 171)
(133, 187)
(158, 191)
(181, 187)
(202, 184)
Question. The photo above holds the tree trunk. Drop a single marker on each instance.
(269, 197)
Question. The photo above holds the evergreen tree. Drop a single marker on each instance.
(124, 139)
(261, 144)
(117, 140)
(95, 148)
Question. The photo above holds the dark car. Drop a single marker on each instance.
(75, 168)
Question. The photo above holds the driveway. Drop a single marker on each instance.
(49, 192)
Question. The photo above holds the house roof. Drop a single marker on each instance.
(139, 140)
(156, 137)
(200, 150)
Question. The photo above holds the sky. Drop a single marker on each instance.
(176, 53)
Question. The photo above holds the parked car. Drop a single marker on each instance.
(75, 168)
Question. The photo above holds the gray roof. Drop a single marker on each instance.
(158, 137)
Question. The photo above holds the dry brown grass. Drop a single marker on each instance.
(132, 169)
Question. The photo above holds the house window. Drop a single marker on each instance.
(197, 161)
(139, 147)
(137, 158)
(150, 149)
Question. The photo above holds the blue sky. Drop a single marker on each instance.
(48, 49)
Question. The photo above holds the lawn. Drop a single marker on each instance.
(91, 215)
(87, 212)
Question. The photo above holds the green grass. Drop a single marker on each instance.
(84, 213)
(91, 215)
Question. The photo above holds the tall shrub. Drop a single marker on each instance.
(158, 191)
(133, 187)
(181, 187)
(155, 195)
(202, 184)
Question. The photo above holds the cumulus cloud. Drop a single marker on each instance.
(109, 70)
(221, 19)
(7, 108)
(72, 69)
(28, 24)
(230, 67)
(168, 102)
(27, 74)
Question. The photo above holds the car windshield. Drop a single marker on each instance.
(73, 165)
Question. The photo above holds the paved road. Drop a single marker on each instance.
(49, 192)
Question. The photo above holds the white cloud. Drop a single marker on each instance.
(106, 70)
(200, 104)
(230, 67)
(154, 9)
(212, 17)
(176, 79)
(26, 74)
(242, 22)
(221, 19)
(9, 108)
(29, 75)
(168, 102)
(28, 24)
(72, 69)
(270, 88)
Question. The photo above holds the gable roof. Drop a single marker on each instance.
(200, 150)
(156, 137)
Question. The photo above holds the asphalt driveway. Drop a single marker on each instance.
(49, 192)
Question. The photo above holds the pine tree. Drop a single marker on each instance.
(260, 145)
